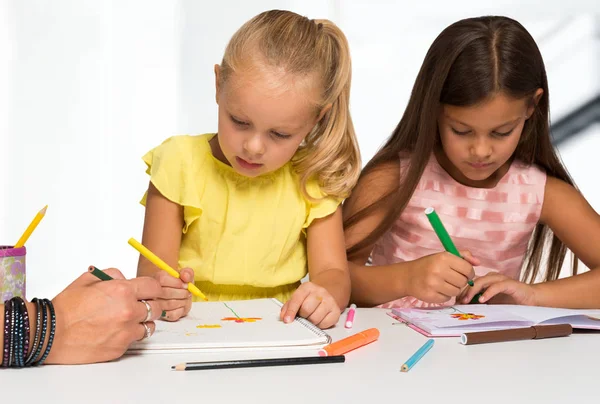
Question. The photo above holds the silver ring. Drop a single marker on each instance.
(148, 331)
(148, 309)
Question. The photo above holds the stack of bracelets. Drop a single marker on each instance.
(17, 350)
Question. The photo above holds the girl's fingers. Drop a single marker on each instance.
(169, 281)
(283, 310)
(186, 275)
(174, 315)
(175, 294)
(330, 320)
(479, 285)
(505, 287)
(320, 312)
(470, 258)
(173, 304)
(294, 304)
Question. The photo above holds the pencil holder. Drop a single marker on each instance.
(12, 272)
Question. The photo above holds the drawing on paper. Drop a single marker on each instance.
(242, 319)
(239, 319)
(466, 316)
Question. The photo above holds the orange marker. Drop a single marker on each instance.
(352, 342)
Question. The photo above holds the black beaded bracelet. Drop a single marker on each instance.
(11, 340)
(17, 351)
(7, 333)
(38, 332)
(52, 331)
(44, 325)
(17, 336)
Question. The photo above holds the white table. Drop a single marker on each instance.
(546, 371)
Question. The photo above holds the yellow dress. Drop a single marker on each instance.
(243, 237)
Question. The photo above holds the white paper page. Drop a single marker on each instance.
(268, 331)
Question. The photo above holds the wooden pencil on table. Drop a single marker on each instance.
(249, 363)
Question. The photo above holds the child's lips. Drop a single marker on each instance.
(479, 165)
(247, 164)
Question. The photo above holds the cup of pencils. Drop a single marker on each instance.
(12, 272)
(12, 263)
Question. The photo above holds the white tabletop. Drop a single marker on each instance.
(545, 371)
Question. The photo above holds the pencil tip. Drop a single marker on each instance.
(44, 210)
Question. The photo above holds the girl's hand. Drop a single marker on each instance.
(438, 277)
(175, 299)
(314, 303)
(500, 289)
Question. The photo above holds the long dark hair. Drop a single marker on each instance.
(468, 62)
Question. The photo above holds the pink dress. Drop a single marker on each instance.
(494, 224)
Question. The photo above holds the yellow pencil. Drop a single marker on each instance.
(150, 256)
(36, 220)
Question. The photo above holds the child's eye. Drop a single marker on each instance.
(503, 134)
(238, 122)
(466, 132)
(280, 135)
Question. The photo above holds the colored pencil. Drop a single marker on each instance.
(250, 363)
(150, 256)
(446, 241)
(410, 363)
(99, 274)
(36, 220)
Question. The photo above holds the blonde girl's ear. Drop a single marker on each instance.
(217, 86)
(537, 96)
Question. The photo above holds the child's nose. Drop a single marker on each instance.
(254, 145)
(481, 148)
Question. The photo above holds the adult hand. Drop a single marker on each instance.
(96, 321)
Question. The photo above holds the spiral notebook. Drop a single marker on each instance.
(236, 325)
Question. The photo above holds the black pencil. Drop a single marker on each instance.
(99, 274)
(249, 363)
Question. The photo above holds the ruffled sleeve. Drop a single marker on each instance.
(323, 206)
(173, 168)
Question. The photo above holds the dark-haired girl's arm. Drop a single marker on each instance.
(576, 224)
(372, 285)
(434, 278)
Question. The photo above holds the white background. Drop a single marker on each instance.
(87, 87)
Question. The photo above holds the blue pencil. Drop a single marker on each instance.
(417, 356)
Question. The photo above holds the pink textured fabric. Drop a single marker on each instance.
(495, 224)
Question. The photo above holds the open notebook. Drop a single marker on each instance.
(455, 320)
(238, 325)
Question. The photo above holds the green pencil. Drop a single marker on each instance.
(444, 237)
(99, 274)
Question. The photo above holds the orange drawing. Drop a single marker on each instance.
(242, 319)
(467, 316)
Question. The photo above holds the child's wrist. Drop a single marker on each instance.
(537, 295)
(403, 279)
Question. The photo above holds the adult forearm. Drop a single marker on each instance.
(576, 292)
